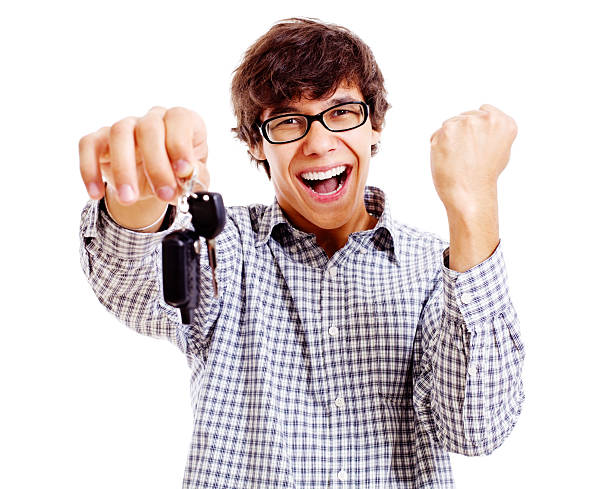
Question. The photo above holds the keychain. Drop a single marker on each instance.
(181, 249)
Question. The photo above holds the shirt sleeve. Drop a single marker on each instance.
(123, 268)
(468, 387)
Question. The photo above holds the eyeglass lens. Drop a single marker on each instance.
(340, 118)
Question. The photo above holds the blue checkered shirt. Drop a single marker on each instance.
(359, 371)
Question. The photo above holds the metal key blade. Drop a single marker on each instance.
(208, 218)
(212, 261)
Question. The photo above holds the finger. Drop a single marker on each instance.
(123, 160)
(157, 110)
(434, 137)
(104, 159)
(185, 140)
(454, 119)
(502, 116)
(90, 148)
(473, 112)
(150, 136)
(489, 108)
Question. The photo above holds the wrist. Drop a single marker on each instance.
(474, 234)
(466, 206)
(144, 216)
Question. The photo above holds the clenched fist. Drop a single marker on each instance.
(141, 158)
(468, 153)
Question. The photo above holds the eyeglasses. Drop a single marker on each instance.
(287, 128)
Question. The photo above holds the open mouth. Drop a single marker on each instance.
(326, 182)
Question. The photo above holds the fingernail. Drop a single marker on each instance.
(181, 167)
(126, 193)
(165, 193)
(93, 189)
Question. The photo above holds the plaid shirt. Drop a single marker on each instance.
(361, 371)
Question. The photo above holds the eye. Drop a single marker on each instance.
(345, 112)
(289, 121)
(285, 123)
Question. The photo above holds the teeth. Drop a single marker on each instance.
(323, 175)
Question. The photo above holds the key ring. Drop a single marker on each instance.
(187, 190)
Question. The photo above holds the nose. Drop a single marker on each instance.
(319, 140)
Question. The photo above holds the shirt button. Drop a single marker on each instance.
(473, 369)
(339, 402)
(343, 475)
(466, 297)
(333, 331)
(331, 272)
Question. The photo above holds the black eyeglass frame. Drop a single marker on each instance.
(310, 119)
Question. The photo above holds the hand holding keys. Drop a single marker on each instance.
(181, 249)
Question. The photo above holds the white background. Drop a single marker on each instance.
(88, 403)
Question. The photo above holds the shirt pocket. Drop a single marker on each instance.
(395, 324)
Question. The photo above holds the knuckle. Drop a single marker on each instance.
(177, 112)
(446, 129)
(86, 141)
(452, 122)
(122, 126)
(147, 124)
(178, 148)
(513, 126)
(177, 144)
(472, 121)
(437, 137)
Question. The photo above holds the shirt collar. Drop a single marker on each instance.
(376, 204)
(384, 234)
(273, 216)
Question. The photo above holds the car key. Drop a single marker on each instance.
(181, 271)
(181, 250)
(208, 218)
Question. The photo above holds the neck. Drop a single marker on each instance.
(331, 240)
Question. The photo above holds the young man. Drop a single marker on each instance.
(344, 349)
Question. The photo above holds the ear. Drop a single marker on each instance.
(257, 151)
(375, 137)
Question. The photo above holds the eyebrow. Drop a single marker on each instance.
(290, 109)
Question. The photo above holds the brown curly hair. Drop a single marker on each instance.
(302, 57)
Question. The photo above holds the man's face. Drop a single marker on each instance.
(295, 167)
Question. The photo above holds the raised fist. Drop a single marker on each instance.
(468, 153)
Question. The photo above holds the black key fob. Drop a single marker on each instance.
(207, 213)
(181, 271)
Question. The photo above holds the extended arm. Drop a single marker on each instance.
(123, 269)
